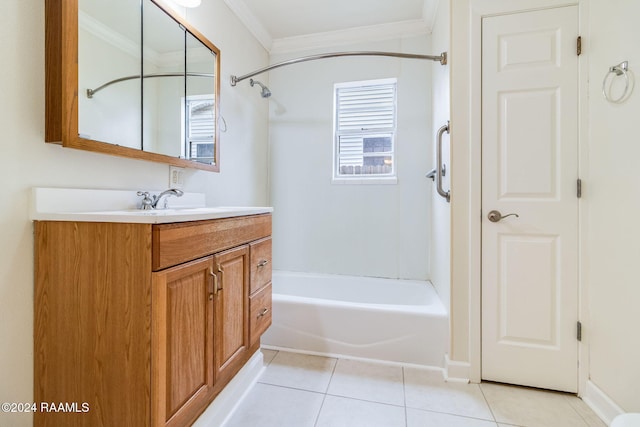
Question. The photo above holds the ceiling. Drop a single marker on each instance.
(286, 25)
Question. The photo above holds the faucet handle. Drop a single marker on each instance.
(147, 201)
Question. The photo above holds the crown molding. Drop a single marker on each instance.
(429, 12)
(96, 28)
(388, 31)
(250, 21)
(334, 38)
(132, 48)
(92, 26)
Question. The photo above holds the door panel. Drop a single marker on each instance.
(527, 289)
(231, 311)
(529, 167)
(182, 342)
(526, 144)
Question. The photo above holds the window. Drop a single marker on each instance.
(364, 130)
(200, 128)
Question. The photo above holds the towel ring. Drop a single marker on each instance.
(223, 129)
(617, 70)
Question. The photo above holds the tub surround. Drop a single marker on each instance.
(389, 320)
(145, 322)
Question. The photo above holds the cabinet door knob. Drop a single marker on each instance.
(263, 312)
(211, 296)
(263, 263)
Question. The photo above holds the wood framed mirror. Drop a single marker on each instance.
(131, 78)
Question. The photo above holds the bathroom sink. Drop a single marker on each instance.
(168, 211)
(90, 205)
(171, 214)
(204, 209)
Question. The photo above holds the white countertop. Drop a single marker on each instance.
(63, 204)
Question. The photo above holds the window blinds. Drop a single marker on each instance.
(365, 125)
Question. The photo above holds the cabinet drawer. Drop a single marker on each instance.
(260, 259)
(176, 243)
(260, 317)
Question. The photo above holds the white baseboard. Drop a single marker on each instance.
(456, 371)
(230, 397)
(600, 403)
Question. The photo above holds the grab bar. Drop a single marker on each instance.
(440, 167)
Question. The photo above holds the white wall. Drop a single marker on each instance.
(441, 210)
(364, 230)
(29, 161)
(609, 207)
(612, 199)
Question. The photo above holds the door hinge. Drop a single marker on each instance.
(579, 45)
(579, 188)
(579, 331)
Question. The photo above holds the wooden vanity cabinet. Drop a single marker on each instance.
(145, 323)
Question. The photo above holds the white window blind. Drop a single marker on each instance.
(365, 125)
(200, 128)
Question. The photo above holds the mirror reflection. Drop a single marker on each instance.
(199, 125)
(148, 86)
(109, 49)
(164, 52)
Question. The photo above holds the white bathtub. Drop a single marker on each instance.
(384, 319)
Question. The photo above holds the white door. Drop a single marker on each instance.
(530, 168)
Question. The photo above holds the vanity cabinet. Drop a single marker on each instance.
(145, 323)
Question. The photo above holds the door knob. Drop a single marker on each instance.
(495, 216)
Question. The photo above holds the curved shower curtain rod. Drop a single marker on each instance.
(91, 92)
(442, 58)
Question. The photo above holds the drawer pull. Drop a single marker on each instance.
(216, 289)
(263, 312)
(263, 263)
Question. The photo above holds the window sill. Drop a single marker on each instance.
(388, 180)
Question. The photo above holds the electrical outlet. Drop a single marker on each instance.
(176, 177)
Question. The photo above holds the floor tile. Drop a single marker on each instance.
(272, 406)
(305, 372)
(419, 418)
(368, 381)
(268, 355)
(345, 412)
(427, 390)
(299, 390)
(585, 412)
(530, 407)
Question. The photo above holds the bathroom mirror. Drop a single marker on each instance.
(131, 78)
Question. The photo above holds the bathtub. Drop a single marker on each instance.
(382, 319)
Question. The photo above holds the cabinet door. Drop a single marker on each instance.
(231, 323)
(182, 344)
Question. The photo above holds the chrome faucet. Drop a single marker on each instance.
(147, 201)
(151, 201)
(167, 193)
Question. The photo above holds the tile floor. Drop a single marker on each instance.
(299, 390)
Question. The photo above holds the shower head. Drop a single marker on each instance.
(265, 93)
